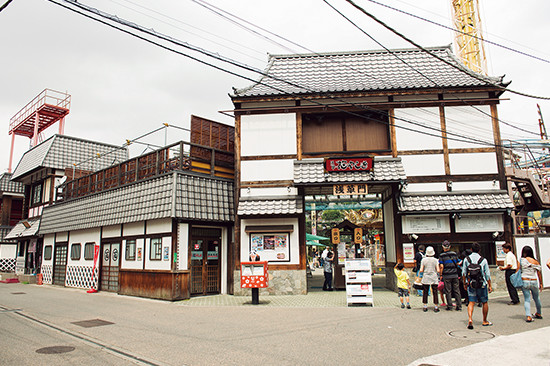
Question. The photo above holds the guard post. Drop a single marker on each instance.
(254, 276)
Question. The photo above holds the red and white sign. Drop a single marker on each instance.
(254, 275)
(348, 164)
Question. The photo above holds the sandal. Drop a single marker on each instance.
(488, 324)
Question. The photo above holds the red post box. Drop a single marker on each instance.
(254, 275)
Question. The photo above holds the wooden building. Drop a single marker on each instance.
(12, 195)
(161, 222)
(412, 113)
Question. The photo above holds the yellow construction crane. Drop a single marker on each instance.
(469, 43)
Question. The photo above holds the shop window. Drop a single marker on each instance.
(89, 251)
(21, 248)
(48, 252)
(338, 132)
(156, 249)
(75, 251)
(131, 250)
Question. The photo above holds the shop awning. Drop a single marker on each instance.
(24, 229)
(257, 206)
(315, 237)
(450, 202)
(315, 244)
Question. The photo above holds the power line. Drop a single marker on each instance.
(464, 70)
(5, 5)
(116, 19)
(461, 32)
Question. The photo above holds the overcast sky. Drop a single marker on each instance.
(123, 87)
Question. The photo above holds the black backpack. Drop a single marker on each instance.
(474, 273)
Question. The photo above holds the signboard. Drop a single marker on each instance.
(479, 223)
(348, 164)
(408, 253)
(419, 224)
(272, 247)
(500, 251)
(341, 253)
(254, 275)
(346, 189)
(335, 235)
(358, 235)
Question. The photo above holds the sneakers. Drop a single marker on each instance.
(448, 308)
(425, 309)
(402, 306)
(537, 316)
(458, 308)
(436, 310)
(513, 303)
(408, 307)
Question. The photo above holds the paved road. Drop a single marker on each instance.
(164, 333)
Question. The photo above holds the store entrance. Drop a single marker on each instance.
(60, 264)
(205, 261)
(110, 255)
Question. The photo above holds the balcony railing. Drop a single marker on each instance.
(179, 156)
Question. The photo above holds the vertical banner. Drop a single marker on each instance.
(358, 235)
(96, 257)
(335, 233)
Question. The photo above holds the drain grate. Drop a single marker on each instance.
(55, 350)
(92, 323)
(474, 335)
(18, 293)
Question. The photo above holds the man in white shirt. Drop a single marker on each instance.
(510, 266)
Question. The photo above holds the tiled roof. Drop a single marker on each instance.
(60, 152)
(363, 71)
(385, 169)
(9, 186)
(190, 197)
(21, 231)
(270, 206)
(4, 230)
(454, 201)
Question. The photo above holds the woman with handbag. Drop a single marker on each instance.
(530, 271)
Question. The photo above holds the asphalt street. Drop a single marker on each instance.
(126, 330)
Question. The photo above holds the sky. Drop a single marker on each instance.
(122, 87)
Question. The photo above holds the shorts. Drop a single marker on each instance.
(403, 292)
(478, 294)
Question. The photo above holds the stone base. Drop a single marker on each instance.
(280, 283)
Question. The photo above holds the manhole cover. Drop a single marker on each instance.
(18, 293)
(55, 350)
(92, 323)
(474, 335)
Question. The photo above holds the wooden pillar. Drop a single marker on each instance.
(393, 137)
(498, 146)
(299, 135)
(237, 241)
(444, 140)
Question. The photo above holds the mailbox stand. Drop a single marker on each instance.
(254, 276)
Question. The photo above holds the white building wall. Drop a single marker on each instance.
(183, 247)
(268, 134)
(294, 247)
(414, 136)
(160, 226)
(267, 192)
(478, 163)
(423, 165)
(165, 261)
(82, 237)
(8, 250)
(267, 170)
(113, 231)
(389, 231)
(468, 121)
(47, 264)
(134, 228)
(138, 262)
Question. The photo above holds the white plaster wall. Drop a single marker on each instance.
(475, 186)
(61, 237)
(263, 170)
(224, 256)
(8, 250)
(426, 187)
(423, 165)
(137, 263)
(544, 250)
(266, 192)
(468, 122)
(293, 238)
(113, 231)
(478, 163)
(160, 226)
(162, 264)
(268, 134)
(183, 247)
(389, 232)
(82, 237)
(417, 139)
(134, 228)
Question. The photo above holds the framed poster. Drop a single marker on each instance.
(272, 247)
(408, 253)
(500, 252)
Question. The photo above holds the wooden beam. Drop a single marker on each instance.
(454, 178)
(393, 137)
(237, 194)
(299, 136)
(451, 151)
(444, 141)
(498, 144)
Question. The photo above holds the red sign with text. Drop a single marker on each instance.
(254, 275)
(348, 164)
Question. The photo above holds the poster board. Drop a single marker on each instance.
(359, 281)
(271, 247)
(408, 253)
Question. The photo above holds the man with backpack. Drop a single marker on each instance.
(475, 270)
(448, 267)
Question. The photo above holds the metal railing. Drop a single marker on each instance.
(46, 97)
(520, 156)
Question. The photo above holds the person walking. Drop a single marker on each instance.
(327, 269)
(417, 261)
(510, 266)
(478, 282)
(448, 267)
(530, 270)
(429, 271)
(403, 284)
